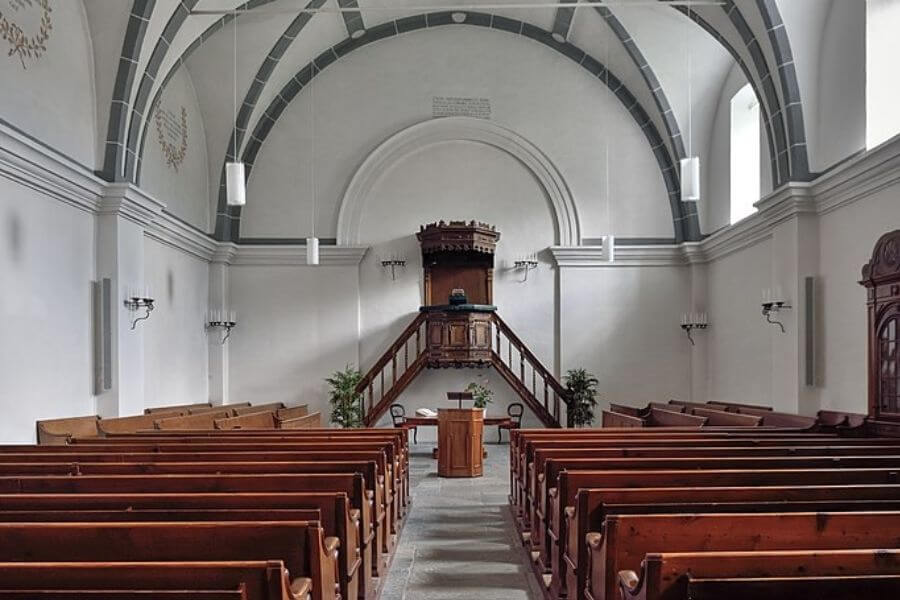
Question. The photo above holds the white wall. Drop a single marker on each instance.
(175, 337)
(46, 269)
(184, 186)
(52, 98)
(368, 96)
(621, 323)
(847, 237)
(296, 325)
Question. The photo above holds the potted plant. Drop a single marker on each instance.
(480, 394)
(582, 389)
(346, 404)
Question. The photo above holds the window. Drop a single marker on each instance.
(882, 83)
(744, 153)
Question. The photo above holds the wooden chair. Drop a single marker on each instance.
(398, 416)
(515, 412)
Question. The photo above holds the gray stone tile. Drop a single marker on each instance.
(459, 540)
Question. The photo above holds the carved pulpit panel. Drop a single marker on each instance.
(881, 277)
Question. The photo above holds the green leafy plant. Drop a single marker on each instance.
(582, 390)
(481, 394)
(346, 404)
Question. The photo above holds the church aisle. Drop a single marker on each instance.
(459, 540)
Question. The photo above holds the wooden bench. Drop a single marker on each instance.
(260, 580)
(247, 410)
(232, 407)
(618, 419)
(301, 545)
(176, 408)
(592, 506)
(135, 423)
(570, 482)
(332, 509)
(822, 574)
(59, 431)
(292, 412)
(254, 420)
(310, 421)
(203, 420)
(627, 539)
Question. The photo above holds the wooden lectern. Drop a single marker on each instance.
(460, 435)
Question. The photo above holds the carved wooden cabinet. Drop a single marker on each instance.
(460, 442)
(881, 277)
(458, 338)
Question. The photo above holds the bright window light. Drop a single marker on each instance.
(744, 153)
(882, 82)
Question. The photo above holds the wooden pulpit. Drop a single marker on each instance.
(460, 437)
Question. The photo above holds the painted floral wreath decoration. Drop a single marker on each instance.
(174, 156)
(23, 45)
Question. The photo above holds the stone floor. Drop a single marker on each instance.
(459, 540)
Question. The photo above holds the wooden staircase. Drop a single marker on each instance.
(539, 390)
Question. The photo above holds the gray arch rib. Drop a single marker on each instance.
(114, 148)
(748, 75)
(790, 89)
(139, 107)
(203, 37)
(685, 222)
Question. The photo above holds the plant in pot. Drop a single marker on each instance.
(582, 390)
(480, 394)
(346, 404)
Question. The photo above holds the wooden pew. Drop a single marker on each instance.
(261, 580)
(59, 431)
(237, 594)
(247, 410)
(301, 545)
(292, 412)
(176, 408)
(730, 406)
(720, 417)
(570, 482)
(231, 407)
(352, 484)
(135, 423)
(822, 574)
(311, 421)
(617, 419)
(659, 417)
(204, 420)
(592, 506)
(549, 522)
(332, 509)
(771, 418)
(627, 539)
(624, 410)
(254, 420)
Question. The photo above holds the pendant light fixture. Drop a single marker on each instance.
(312, 243)
(690, 165)
(235, 181)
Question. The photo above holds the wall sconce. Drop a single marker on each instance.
(225, 320)
(137, 300)
(692, 321)
(526, 263)
(773, 302)
(393, 262)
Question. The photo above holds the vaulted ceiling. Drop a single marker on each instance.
(665, 61)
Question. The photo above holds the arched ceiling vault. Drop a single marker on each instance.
(751, 31)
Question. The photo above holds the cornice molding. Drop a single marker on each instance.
(651, 255)
(130, 202)
(172, 232)
(289, 255)
(859, 177)
(30, 164)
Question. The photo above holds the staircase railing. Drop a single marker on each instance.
(534, 383)
(393, 372)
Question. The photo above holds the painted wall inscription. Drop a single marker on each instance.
(172, 134)
(457, 106)
(25, 26)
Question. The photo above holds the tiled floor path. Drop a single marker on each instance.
(459, 540)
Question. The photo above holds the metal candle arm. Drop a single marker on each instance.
(688, 327)
(226, 325)
(135, 303)
(526, 264)
(774, 307)
(393, 263)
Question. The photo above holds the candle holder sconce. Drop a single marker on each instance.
(139, 300)
(224, 320)
(692, 321)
